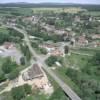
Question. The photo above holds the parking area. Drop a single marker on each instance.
(10, 50)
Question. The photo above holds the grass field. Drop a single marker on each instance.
(90, 51)
(58, 10)
(15, 11)
(4, 30)
(75, 61)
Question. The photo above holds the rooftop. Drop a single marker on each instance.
(34, 72)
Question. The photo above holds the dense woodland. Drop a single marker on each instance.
(88, 78)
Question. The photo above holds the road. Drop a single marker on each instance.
(72, 95)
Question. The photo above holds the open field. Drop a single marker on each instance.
(90, 51)
(15, 11)
(58, 10)
(75, 61)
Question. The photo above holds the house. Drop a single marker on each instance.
(77, 19)
(32, 73)
(96, 44)
(11, 21)
(29, 18)
(35, 19)
(59, 32)
(96, 36)
(82, 41)
(48, 47)
(8, 45)
(53, 49)
(48, 28)
(57, 52)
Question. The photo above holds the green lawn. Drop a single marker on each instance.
(4, 30)
(86, 50)
(75, 61)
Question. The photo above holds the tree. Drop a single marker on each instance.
(18, 93)
(4, 37)
(2, 77)
(96, 58)
(27, 89)
(14, 74)
(43, 51)
(66, 49)
(25, 50)
(22, 61)
(51, 60)
(58, 95)
(6, 68)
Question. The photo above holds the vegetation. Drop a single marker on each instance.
(66, 49)
(8, 66)
(2, 77)
(52, 59)
(10, 35)
(43, 51)
(14, 74)
(9, 69)
(87, 78)
(45, 36)
(22, 60)
(15, 11)
(39, 49)
(80, 72)
(25, 50)
(21, 92)
(58, 95)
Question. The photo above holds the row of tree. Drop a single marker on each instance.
(25, 50)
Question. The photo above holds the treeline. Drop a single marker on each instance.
(55, 5)
(26, 52)
(10, 36)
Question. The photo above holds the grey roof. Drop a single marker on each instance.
(35, 71)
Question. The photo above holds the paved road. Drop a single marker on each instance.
(72, 95)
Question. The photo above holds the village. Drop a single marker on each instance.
(39, 46)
